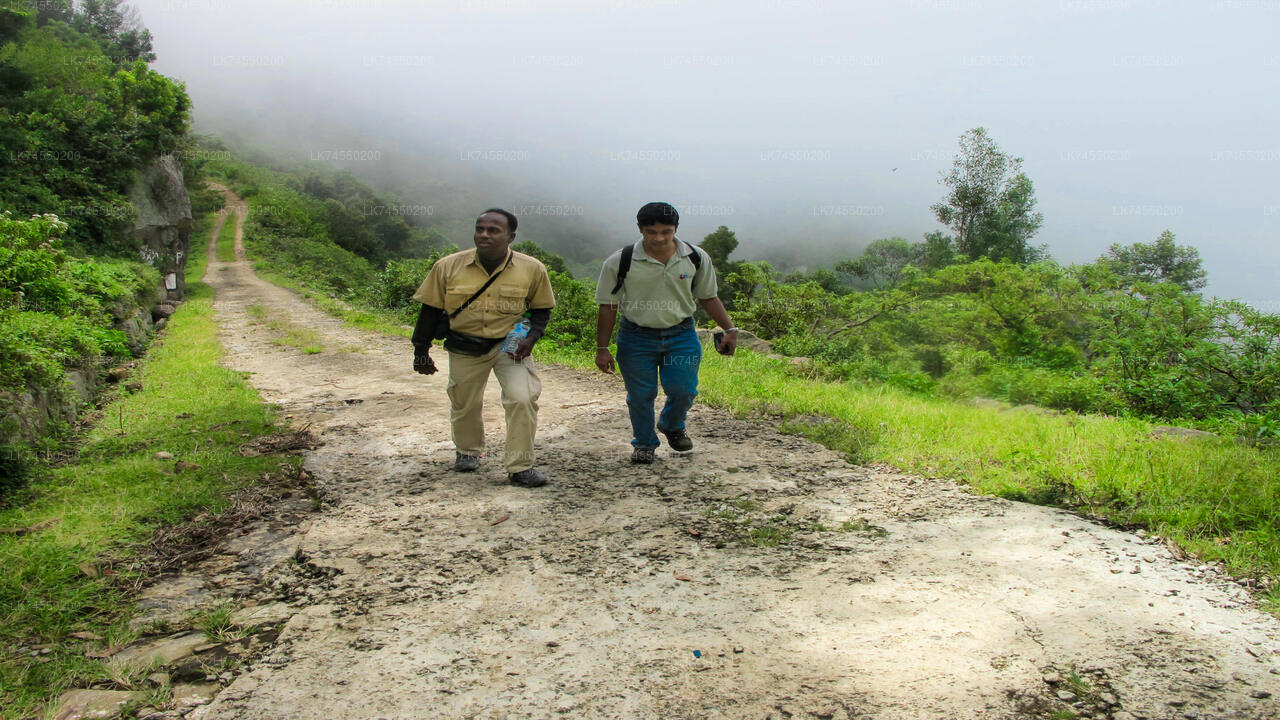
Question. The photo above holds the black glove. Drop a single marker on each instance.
(423, 364)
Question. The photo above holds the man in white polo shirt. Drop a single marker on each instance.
(656, 285)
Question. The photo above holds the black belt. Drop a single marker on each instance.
(686, 324)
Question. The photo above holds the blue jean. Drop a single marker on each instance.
(649, 355)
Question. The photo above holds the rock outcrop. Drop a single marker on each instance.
(162, 231)
(746, 339)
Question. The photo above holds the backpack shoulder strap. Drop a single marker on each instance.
(624, 265)
(695, 257)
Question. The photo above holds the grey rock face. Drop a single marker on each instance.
(746, 339)
(163, 228)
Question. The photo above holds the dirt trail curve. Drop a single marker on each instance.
(623, 591)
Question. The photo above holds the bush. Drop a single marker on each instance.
(38, 346)
(16, 465)
(573, 322)
(393, 288)
(53, 307)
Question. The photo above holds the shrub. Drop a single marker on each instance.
(16, 465)
(573, 322)
(53, 307)
(393, 288)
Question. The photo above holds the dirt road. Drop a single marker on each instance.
(623, 591)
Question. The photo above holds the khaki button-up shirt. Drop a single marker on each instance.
(522, 285)
(656, 294)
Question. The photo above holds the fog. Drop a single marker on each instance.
(810, 127)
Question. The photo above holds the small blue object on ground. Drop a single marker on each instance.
(697, 653)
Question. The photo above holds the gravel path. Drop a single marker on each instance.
(623, 591)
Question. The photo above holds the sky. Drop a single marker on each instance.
(809, 127)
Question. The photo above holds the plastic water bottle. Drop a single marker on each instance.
(518, 333)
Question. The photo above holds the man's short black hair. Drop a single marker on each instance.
(511, 218)
(656, 213)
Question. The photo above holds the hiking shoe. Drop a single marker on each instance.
(642, 456)
(466, 463)
(530, 478)
(678, 440)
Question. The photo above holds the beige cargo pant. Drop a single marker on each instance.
(520, 389)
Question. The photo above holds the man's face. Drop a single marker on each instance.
(492, 235)
(658, 233)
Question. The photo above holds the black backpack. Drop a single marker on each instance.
(624, 265)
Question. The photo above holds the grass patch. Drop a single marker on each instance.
(744, 522)
(70, 572)
(288, 334)
(769, 535)
(285, 333)
(380, 321)
(215, 622)
(225, 248)
(862, 525)
(1217, 499)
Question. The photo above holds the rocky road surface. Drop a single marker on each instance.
(760, 576)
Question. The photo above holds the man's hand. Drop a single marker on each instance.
(523, 350)
(728, 343)
(604, 360)
(424, 364)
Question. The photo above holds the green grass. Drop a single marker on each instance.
(225, 248)
(769, 535)
(386, 322)
(115, 494)
(1216, 499)
(285, 333)
(215, 622)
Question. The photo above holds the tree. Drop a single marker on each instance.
(882, 262)
(1160, 261)
(116, 27)
(720, 245)
(990, 203)
(936, 252)
(554, 262)
(53, 10)
(1006, 233)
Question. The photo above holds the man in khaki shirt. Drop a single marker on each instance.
(509, 286)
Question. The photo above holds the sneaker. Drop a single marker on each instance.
(466, 463)
(530, 478)
(642, 456)
(678, 440)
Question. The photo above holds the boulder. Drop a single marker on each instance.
(1169, 431)
(746, 339)
(162, 231)
(77, 704)
(163, 651)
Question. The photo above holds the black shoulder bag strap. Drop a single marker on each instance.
(442, 328)
(483, 287)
